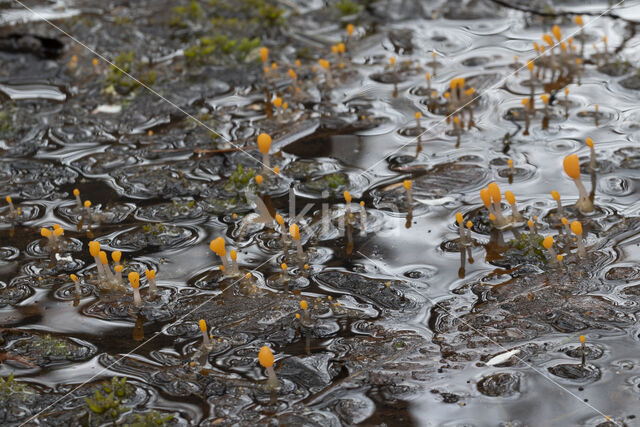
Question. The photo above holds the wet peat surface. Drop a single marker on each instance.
(404, 322)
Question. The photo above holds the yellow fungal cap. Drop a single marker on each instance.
(350, 29)
(566, 90)
(485, 196)
(265, 357)
(392, 60)
(276, 170)
(510, 163)
(203, 325)
(56, 226)
(264, 143)
(8, 199)
(417, 115)
(559, 257)
(217, 246)
(45, 232)
(590, 142)
(576, 227)
(151, 274)
(103, 257)
(76, 192)
(347, 196)
(279, 219)
(547, 39)
(58, 232)
(292, 74)
(547, 242)
(530, 223)
(264, 54)
(555, 195)
(525, 101)
(530, 65)
(564, 221)
(94, 248)
(510, 197)
(134, 279)
(492, 217)
(259, 179)
(583, 339)
(571, 165)
(459, 218)
(283, 266)
(304, 305)
(87, 203)
(277, 102)
(233, 254)
(306, 266)
(407, 183)
(545, 98)
(118, 268)
(342, 48)
(494, 190)
(469, 224)
(74, 278)
(116, 256)
(578, 20)
(557, 33)
(294, 230)
(324, 63)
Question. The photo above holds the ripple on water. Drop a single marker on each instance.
(502, 384)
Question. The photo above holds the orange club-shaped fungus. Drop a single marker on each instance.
(496, 197)
(264, 144)
(408, 186)
(460, 221)
(206, 342)
(592, 162)
(576, 227)
(347, 199)
(76, 193)
(265, 357)
(571, 165)
(217, 245)
(134, 280)
(294, 231)
(76, 285)
(548, 245)
(12, 209)
(306, 317)
(94, 250)
(511, 199)
(556, 196)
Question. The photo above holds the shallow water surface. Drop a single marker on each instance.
(405, 324)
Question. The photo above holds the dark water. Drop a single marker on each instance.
(400, 332)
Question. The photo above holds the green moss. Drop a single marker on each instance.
(150, 419)
(10, 389)
(530, 245)
(6, 121)
(347, 7)
(106, 404)
(239, 180)
(125, 63)
(182, 14)
(48, 346)
(154, 228)
(335, 180)
(208, 49)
